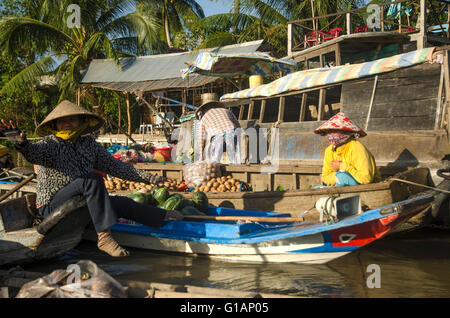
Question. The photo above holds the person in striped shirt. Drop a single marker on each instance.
(219, 129)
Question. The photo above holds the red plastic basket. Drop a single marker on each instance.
(165, 152)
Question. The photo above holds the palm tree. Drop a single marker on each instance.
(265, 19)
(173, 14)
(109, 29)
(249, 20)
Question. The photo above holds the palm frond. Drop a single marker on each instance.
(93, 45)
(126, 45)
(271, 14)
(218, 39)
(216, 22)
(144, 28)
(68, 75)
(114, 10)
(191, 5)
(14, 32)
(110, 52)
(30, 75)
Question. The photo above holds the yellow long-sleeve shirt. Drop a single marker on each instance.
(355, 158)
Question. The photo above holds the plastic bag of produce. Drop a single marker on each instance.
(113, 149)
(146, 156)
(201, 171)
(130, 156)
(81, 280)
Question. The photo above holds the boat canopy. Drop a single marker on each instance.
(232, 64)
(324, 76)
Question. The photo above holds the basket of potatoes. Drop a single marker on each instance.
(201, 172)
(224, 184)
(117, 184)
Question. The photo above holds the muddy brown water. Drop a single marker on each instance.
(408, 264)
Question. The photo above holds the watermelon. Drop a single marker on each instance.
(154, 189)
(172, 203)
(149, 199)
(138, 197)
(160, 195)
(185, 203)
(190, 210)
(200, 201)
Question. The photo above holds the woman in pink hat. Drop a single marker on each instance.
(347, 161)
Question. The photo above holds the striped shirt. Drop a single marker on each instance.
(216, 121)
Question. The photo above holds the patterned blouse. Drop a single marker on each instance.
(60, 162)
(215, 121)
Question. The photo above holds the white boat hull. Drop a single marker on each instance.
(280, 251)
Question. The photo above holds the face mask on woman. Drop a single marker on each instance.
(337, 138)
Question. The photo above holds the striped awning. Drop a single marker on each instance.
(324, 76)
(231, 64)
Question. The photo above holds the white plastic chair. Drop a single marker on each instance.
(159, 124)
(145, 129)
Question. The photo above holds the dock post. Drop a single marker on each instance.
(422, 38)
(349, 22)
(289, 39)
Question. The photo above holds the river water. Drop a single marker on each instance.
(408, 264)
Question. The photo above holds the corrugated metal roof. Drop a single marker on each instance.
(154, 68)
(157, 85)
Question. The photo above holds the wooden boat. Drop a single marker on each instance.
(403, 108)
(277, 240)
(22, 240)
(401, 101)
(13, 280)
(296, 202)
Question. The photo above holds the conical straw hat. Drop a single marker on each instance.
(207, 99)
(67, 108)
(339, 122)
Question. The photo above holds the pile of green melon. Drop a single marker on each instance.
(161, 198)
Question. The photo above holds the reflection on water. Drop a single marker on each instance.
(413, 264)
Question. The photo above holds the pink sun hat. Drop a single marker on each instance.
(339, 122)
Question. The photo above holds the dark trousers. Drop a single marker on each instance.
(104, 209)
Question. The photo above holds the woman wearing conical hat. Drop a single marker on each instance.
(218, 129)
(347, 161)
(66, 158)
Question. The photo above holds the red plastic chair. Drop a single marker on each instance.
(312, 37)
(332, 34)
(361, 29)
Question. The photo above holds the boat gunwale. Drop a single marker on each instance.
(383, 185)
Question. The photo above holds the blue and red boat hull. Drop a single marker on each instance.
(305, 242)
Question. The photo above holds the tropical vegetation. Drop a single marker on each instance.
(44, 51)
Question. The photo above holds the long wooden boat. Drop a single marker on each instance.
(277, 241)
(296, 202)
(22, 240)
(12, 281)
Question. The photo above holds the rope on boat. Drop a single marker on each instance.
(420, 185)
